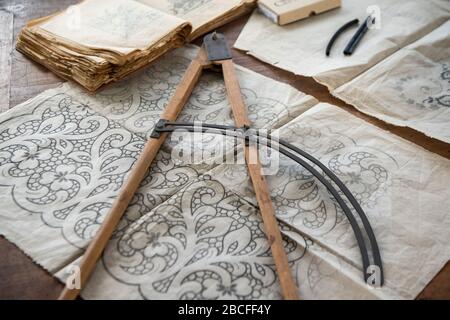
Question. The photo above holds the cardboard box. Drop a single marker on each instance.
(286, 11)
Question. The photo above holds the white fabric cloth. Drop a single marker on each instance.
(400, 73)
(193, 230)
(300, 47)
(410, 88)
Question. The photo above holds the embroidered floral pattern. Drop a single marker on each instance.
(203, 243)
(71, 162)
(426, 91)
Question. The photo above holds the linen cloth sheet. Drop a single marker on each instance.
(400, 73)
(401, 187)
(410, 88)
(193, 231)
(300, 47)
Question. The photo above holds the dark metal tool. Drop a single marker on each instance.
(214, 54)
(216, 47)
(357, 37)
(336, 35)
(287, 149)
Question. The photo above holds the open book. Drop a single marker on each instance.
(100, 41)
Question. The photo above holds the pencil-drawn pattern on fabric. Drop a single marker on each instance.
(426, 91)
(138, 105)
(300, 199)
(303, 201)
(67, 164)
(203, 243)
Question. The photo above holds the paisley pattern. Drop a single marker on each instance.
(362, 173)
(184, 234)
(300, 199)
(136, 104)
(434, 89)
(49, 157)
(67, 164)
(203, 243)
(192, 231)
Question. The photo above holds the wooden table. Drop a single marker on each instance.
(21, 79)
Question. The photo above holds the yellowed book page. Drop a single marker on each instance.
(118, 25)
(197, 12)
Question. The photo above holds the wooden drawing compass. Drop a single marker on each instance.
(215, 54)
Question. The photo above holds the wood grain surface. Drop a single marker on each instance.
(21, 79)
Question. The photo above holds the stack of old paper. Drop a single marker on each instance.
(99, 41)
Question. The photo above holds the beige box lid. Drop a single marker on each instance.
(293, 10)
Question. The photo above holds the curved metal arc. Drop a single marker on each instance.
(338, 33)
(351, 198)
(329, 173)
(219, 129)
